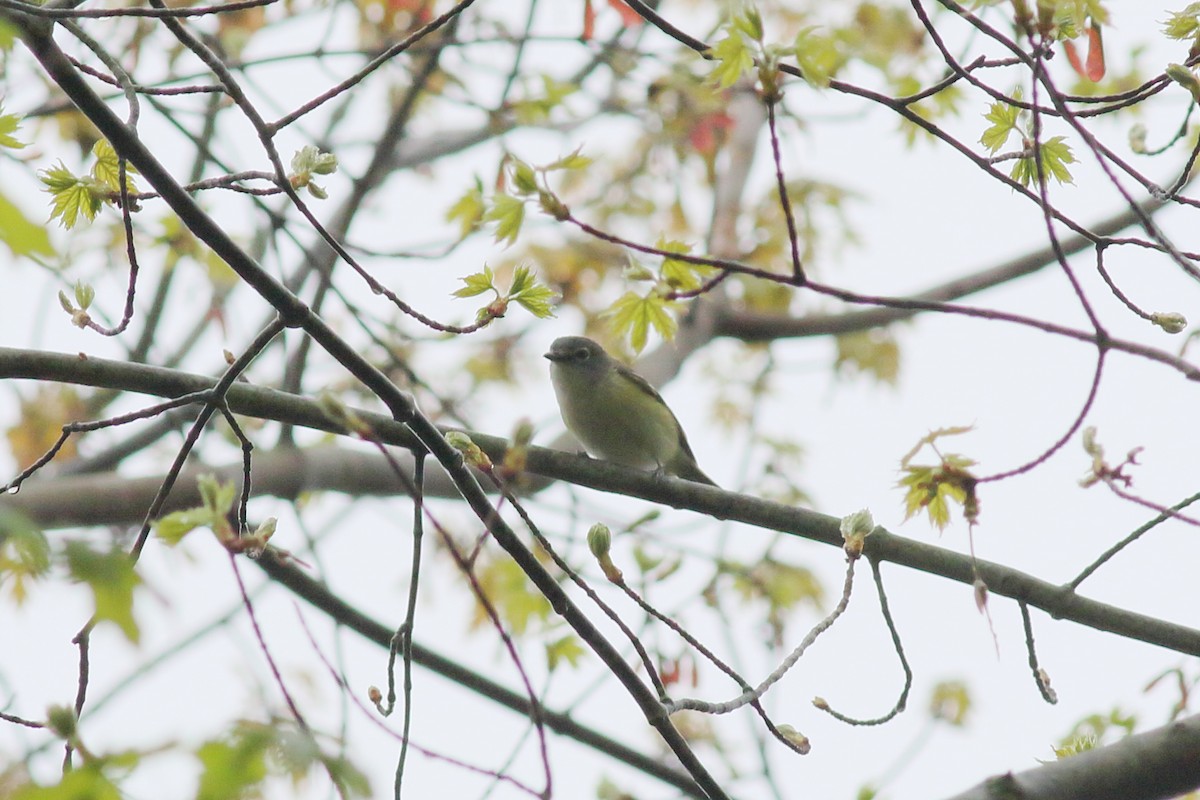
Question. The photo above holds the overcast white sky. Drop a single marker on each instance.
(925, 216)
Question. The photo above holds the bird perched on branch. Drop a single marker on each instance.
(615, 414)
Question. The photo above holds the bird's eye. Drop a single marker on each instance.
(582, 354)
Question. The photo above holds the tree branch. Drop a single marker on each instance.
(52, 499)
(756, 327)
(319, 596)
(1155, 765)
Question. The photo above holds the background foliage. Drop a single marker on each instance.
(278, 269)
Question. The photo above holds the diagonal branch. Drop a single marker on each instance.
(294, 313)
(319, 596)
(1155, 765)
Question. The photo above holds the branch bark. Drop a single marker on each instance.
(49, 500)
(1155, 765)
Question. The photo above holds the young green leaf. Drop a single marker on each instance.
(1183, 24)
(1004, 121)
(24, 554)
(468, 209)
(508, 213)
(22, 236)
(84, 294)
(1054, 155)
(633, 316)
(524, 178)
(71, 196)
(233, 767)
(513, 596)
(477, 284)
(176, 525)
(567, 649)
(872, 352)
(8, 126)
(217, 495)
(307, 162)
(535, 299)
(573, 160)
(818, 56)
(933, 489)
(538, 300)
(734, 58)
(107, 169)
(311, 160)
(88, 780)
(677, 274)
(111, 577)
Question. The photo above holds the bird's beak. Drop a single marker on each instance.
(553, 356)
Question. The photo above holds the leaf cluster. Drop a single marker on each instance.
(1050, 156)
(75, 196)
(934, 488)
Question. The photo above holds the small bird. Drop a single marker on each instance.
(615, 414)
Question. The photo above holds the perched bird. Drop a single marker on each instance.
(615, 414)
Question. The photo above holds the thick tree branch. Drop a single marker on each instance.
(757, 327)
(51, 500)
(1155, 765)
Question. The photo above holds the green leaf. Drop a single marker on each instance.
(173, 527)
(1183, 24)
(515, 599)
(71, 196)
(8, 126)
(681, 275)
(84, 294)
(87, 782)
(307, 162)
(872, 352)
(347, 776)
(22, 236)
(934, 489)
(231, 768)
(1096, 730)
(950, 702)
(24, 553)
(112, 579)
(537, 300)
(106, 167)
(750, 22)
(783, 586)
(477, 284)
(818, 56)
(107, 170)
(1185, 78)
(1004, 121)
(524, 178)
(468, 209)
(1054, 154)
(572, 160)
(633, 316)
(310, 160)
(522, 280)
(734, 58)
(217, 495)
(567, 649)
(508, 213)
(537, 109)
